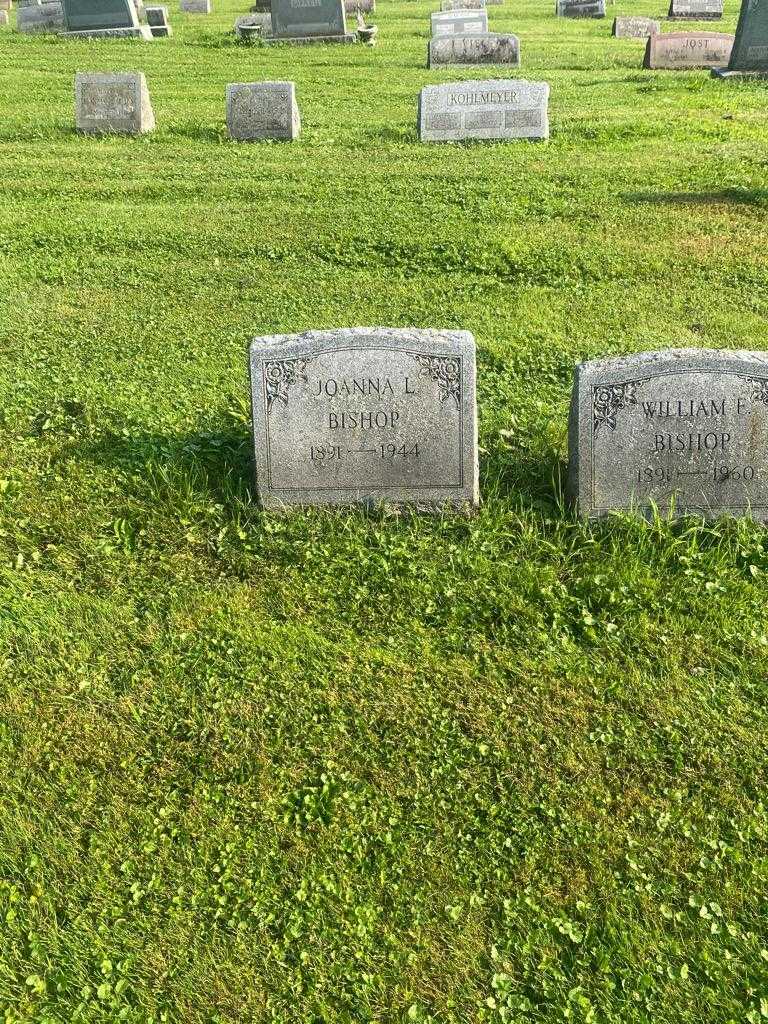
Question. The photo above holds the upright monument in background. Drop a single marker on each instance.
(749, 55)
(103, 18)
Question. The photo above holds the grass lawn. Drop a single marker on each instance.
(340, 767)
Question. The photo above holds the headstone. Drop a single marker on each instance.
(475, 48)
(461, 22)
(97, 18)
(695, 10)
(157, 19)
(117, 103)
(463, 5)
(510, 108)
(580, 8)
(632, 26)
(309, 21)
(681, 429)
(47, 17)
(4, 19)
(195, 6)
(750, 50)
(364, 6)
(680, 51)
(365, 415)
(262, 110)
(5, 5)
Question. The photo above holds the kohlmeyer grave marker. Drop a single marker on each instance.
(695, 10)
(580, 8)
(632, 26)
(474, 48)
(750, 49)
(310, 21)
(365, 415)
(682, 429)
(113, 103)
(262, 110)
(679, 51)
(116, 18)
(510, 108)
(450, 22)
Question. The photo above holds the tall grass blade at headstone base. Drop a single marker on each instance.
(350, 766)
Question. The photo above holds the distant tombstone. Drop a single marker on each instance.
(509, 108)
(103, 18)
(40, 18)
(683, 430)
(364, 6)
(4, 20)
(262, 110)
(195, 6)
(459, 21)
(253, 26)
(463, 5)
(475, 48)
(632, 26)
(695, 10)
(365, 415)
(157, 19)
(580, 8)
(310, 21)
(119, 103)
(750, 50)
(5, 5)
(681, 51)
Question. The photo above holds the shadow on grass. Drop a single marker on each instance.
(737, 196)
(532, 481)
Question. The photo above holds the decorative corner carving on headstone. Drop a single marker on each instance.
(610, 399)
(281, 375)
(446, 373)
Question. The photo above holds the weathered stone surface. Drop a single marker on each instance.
(510, 108)
(475, 48)
(682, 429)
(305, 19)
(695, 10)
(48, 17)
(750, 49)
(632, 26)
(364, 6)
(580, 8)
(679, 51)
(367, 414)
(113, 103)
(88, 15)
(463, 5)
(262, 110)
(461, 22)
(195, 6)
(157, 20)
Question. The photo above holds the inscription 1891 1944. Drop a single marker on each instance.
(365, 414)
(684, 430)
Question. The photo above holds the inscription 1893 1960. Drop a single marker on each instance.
(682, 430)
(365, 414)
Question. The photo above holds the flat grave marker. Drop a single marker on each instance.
(364, 415)
(685, 430)
(682, 51)
(262, 110)
(632, 26)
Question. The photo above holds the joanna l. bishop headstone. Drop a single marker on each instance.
(509, 108)
(679, 51)
(474, 48)
(118, 102)
(695, 10)
(262, 110)
(365, 414)
(682, 430)
(749, 55)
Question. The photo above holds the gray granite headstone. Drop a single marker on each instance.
(103, 18)
(262, 110)
(509, 108)
(367, 414)
(118, 102)
(681, 429)
(632, 26)
(3, 17)
(750, 49)
(474, 48)
(195, 6)
(308, 19)
(580, 8)
(40, 18)
(695, 10)
(462, 5)
(680, 51)
(463, 21)
(157, 19)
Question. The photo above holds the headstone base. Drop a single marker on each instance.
(160, 31)
(138, 32)
(694, 17)
(348, 37)
(725, 73)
